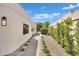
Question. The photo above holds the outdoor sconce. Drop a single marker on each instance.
(3, 21)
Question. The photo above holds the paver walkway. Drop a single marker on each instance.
(30, 50)
(54, 48)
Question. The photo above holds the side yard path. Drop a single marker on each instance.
(34, 47)
(29, 48)
(54, 48)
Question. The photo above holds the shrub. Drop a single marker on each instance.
(44, 31)
(58, 32)
(68, 39)
(52, 31)
(77, 38)
(61, 34)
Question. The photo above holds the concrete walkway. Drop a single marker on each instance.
(54, 48)
(34, 47)
(29, 50)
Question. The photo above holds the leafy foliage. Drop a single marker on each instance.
(44, 31)
(77, 37)
(44, 28)
(33, 28)
(58, 32)
(46, 24)
(61, 34)
(45, 49)
(42, 25)
(68, 40)
(39, 25)
(52, 32)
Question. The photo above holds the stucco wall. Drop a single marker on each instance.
(34, 26)
(75, 14)
(11, 36)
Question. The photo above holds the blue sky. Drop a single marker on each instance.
(51, 12)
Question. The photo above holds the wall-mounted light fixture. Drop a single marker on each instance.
(4, 21)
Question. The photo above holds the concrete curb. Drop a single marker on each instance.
(39, 47)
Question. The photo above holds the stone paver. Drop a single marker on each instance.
(30, 50)
(54, 48)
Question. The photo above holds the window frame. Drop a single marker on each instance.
(3, 18)
(25, 30)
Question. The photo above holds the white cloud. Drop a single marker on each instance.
(71, 6)
(40, 16)
(77, 4)
(45, 16)
(55, 14)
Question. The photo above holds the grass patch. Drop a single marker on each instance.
(45, 49)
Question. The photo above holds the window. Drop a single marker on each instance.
(25, 28)
(3, 21)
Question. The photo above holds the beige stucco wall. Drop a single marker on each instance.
(73, 14)
(11, 36)
(34, 26)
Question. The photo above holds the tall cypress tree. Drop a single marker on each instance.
(62, 33)
(58, 33)
(77, 37)
(69, 43)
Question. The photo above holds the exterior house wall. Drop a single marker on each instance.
(65, 17)
(11, 36)
(75, 17)
(34, 26)
(62, 19)
(75, 14)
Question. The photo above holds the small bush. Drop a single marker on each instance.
(44, 31)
